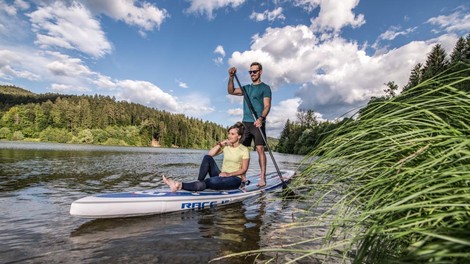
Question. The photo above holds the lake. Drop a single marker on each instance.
(39, 181)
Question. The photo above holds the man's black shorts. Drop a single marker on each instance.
(252, 132)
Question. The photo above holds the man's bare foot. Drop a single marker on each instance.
(174, 186)
(261, 183)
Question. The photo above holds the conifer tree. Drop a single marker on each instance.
(458, 54)
(436, 62)
(416, 76)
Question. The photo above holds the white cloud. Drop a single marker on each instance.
(218, 60)
(394, 32)
(334, 75)
(182, 84)
(71, 75)
(69, 27)
(195, 105)
(67, 71)
(279, 114)
(277, 117)
(64, 88)
(455, 22)
(235, 112)
(17, 63)
(8, 73)
(104, 82)
(284, 53)
(21, 4)
(334, 15)
(209, 6)
(308, 5)
(268, 15)
(12, 26)
(219, 50)
(145, 15)
(147, 94)
(10, 10)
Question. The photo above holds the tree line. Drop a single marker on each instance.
(98, 120)
(306, 133)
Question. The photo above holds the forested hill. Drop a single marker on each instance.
(13, 90)
(12, 95)
(98, 120)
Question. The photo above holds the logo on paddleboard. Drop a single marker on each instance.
(202, 205)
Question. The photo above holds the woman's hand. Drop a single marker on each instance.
(226, 143)
(224, 174)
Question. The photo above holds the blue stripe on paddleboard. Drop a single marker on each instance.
(147, 194)
(164, 193)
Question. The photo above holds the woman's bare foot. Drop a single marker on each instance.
(174, 185)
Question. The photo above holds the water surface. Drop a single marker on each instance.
(39, 181)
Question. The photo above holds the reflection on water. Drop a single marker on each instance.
(39, 181)
(183, 237)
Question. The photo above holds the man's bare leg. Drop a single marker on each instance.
(262, 165)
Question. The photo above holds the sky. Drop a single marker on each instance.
(328, 56)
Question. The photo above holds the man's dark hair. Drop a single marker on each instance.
(260, 67)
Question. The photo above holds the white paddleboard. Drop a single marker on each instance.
(127, 204)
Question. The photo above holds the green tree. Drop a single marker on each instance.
(5, 133)
(105, 118)
(416, 76)
(391, 90)
(40, 120)
(84, 136)
(17, 135)
(99, 136)
(436, 62)
(306, 118)
(60, 135)
(85, 113)
(459, 52)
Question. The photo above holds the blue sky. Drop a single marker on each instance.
(325, 55)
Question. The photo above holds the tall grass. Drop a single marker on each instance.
(401, 175)
(392, 186)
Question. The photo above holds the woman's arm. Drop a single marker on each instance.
(218, 148)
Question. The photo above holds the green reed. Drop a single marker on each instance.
(391, 186)
(400, 173)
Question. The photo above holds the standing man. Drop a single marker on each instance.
(259, 94)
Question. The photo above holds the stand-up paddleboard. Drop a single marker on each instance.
(127, 204)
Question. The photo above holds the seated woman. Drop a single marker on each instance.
(234, 166)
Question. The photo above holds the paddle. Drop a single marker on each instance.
(252, 110)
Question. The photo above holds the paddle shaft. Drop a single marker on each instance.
(255, 116)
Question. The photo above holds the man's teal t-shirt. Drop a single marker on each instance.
(256, 93)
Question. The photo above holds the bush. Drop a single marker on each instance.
(115, 142)
(85, 136)
(99, 135)
(59, 135)
(5, 133)
(17, 135)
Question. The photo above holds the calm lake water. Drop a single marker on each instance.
(39, 181)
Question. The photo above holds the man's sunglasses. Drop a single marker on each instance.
(253, 72)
